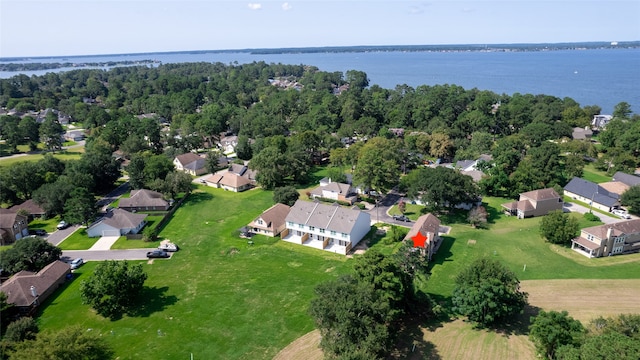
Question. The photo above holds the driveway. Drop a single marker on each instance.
(56, 237)
(607, 219)
(101, 255)
(104, 243)
(112, 196)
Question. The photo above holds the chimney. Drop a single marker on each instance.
(609, 233)
(34, 293)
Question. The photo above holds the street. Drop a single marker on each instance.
(100, 255)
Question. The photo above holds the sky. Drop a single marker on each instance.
(30, 28)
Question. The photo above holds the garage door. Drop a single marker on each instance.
(110, 232)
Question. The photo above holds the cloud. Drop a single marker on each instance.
(419, 9)
(255, 6)
(286, 6)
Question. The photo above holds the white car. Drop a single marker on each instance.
(76, 263)
(168, 246)
(623, 214)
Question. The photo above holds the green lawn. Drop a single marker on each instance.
(79, 240)
(592, 174)
(516, 242)
(218, 297)
(49, 225)
(62, 155)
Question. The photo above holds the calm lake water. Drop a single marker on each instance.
(591, 77)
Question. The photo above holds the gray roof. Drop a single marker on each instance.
(626, 179)
(122, 219)
(330, 217)
(590, 190)
(143, 198)
(463, 164)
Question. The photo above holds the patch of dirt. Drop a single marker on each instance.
(306, 347)
(471, 242)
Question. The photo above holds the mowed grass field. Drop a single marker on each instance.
(218, 297)
(222, 298)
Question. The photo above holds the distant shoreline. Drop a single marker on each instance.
(366, 48)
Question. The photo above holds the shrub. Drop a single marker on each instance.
(591, 217)
(22, 329)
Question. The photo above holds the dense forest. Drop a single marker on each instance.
(289, 116)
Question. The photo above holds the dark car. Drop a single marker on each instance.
(401, 218)
(157, 254)
(38, 232)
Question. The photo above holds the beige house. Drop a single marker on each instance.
(334, 191)
(272, 221)
(13, 226)
(192, 164)
(143, 199)
(609, 239)
(26, 289)
(425, 234)
(228, 181)
(534, 203)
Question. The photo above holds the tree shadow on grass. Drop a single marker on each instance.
(152, 300)
(411, 343)
(196, 198)
(444, 252)
(519, 325)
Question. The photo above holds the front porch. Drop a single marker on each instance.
(585, 247)
(316, 241)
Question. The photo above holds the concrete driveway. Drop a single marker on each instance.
(607, 219)
(102, 255)
(56, 237)
(104, 243)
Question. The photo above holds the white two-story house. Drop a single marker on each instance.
(326, 227)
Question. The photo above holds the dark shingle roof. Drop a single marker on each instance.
(626, 179)
(590, 190)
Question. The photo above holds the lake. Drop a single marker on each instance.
(602, 77)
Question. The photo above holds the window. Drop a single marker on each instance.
(301, 226)
(312, 228)
(322, 231)
(259, 221)
(344, 235)
(333, 232)
(290, 223)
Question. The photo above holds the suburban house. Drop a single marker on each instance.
(534, 203)
(143, 199)
(425, 234)
(629, 180)
(600, 121)
(610, 239)
(326, 227)
(471, 165)
(228, 144)
(13, 226)
(581, 133)
(228, 181)
(34, 210)
(272, 221)
(74, 135)
(592, 194)
(244, 171)
(117, 222)
(190, 163)
(334, 191)
(26, 290)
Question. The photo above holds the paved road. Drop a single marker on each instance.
(607, 219)
(381, 212)
(101, 255)
(112, 196)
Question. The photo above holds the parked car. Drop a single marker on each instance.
(76, 263)
(157, 254)
(623, 214)
(168, 246)
(401, 218)
(62, 225)
(38, 232)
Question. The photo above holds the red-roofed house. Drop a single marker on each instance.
(26, 289)
(535, 203)
(425, 233)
